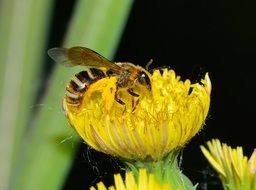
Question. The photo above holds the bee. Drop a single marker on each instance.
(98, 67)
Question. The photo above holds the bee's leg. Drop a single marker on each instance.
(134, 104)
(119, 100)
(130, 91)
(135, 98)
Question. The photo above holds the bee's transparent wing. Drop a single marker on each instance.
(59, 55)
(81, 56)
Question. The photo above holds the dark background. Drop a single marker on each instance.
(192, 37)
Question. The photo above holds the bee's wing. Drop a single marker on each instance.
(59, 55)
(81, 56)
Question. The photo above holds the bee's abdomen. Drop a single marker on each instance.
(80, 83)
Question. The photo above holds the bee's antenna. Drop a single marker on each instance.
(149, 63)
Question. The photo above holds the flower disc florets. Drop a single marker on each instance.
(152, 125)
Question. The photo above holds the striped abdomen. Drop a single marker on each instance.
(80, 83)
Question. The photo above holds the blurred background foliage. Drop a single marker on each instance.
(192, 37)
(37, 150)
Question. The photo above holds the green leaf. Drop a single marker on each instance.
(23, 29)
(47, 151)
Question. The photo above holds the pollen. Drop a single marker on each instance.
(151, 125)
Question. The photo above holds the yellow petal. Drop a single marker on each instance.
(145, 181)
(234, 168)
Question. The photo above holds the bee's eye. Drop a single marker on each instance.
(143, 79)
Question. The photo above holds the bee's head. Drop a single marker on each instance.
(144, 80)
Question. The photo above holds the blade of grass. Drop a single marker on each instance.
(23, 29)
(48, 151)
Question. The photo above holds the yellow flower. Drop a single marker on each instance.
(235, 170)
(150, 126)
(145, 182)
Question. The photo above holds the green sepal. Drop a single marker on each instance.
(165, 170)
